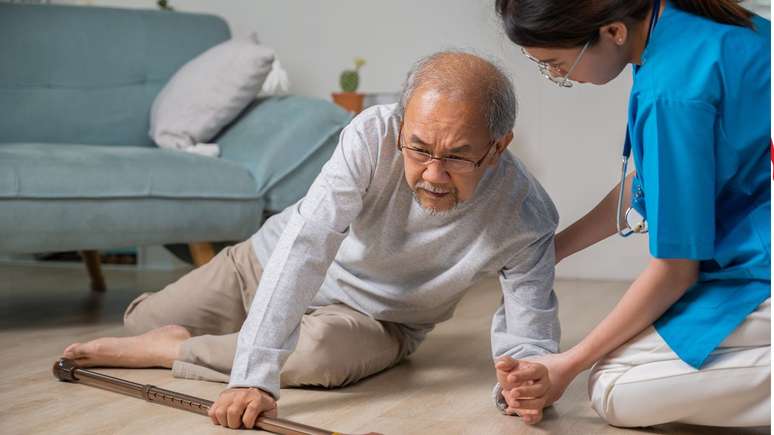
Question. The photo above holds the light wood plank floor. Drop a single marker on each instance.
(442, 389)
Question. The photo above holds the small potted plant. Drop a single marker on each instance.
(349, 80)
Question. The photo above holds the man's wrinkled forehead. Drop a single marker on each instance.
(446, 98)
(426, 140)
(432, 115)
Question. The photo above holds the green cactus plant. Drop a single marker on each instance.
(164, 5)
(350, 79)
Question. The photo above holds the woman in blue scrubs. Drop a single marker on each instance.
(690, 340)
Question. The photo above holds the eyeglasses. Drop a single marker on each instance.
(554, 73)
(451, 164)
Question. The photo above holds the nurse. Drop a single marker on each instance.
(690, 339)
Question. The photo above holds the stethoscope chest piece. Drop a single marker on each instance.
(635, 221)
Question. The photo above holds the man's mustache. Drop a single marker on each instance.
(424, 185)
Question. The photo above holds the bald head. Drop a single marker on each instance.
(466, 78)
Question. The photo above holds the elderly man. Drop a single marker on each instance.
(418, 202)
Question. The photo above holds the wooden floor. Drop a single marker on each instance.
(444, 388)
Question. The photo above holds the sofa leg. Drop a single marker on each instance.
(201, 253)
(91, 259)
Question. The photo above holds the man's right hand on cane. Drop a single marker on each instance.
(241, 407)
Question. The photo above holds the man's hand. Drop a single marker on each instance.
(543, 379)
(526, 386)
(241, 407)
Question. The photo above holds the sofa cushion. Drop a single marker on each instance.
(75, 74)
(284, 141)
(57, 171)
(75, 224)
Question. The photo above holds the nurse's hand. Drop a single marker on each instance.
(561, 370)
(525, 386)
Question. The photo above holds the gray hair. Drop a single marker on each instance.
(495, 87)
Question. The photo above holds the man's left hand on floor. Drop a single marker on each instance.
(526, 386)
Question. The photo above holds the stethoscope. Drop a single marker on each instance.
(635, 223)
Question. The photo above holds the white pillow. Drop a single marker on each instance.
(277, 82)
(207, 93)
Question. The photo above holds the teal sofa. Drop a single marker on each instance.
(78, 170)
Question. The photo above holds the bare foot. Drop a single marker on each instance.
(157, 348)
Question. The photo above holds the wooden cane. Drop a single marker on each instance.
(66, 370)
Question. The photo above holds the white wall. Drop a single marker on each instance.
(570, 138)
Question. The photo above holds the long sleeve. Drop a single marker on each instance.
(526, 323)
(298, 264)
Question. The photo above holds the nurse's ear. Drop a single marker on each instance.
(615, 33)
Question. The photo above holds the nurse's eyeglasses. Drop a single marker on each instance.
(554, 73)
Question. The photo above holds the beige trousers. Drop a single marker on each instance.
(644, 383)
(337, 345)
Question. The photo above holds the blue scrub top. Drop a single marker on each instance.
(699, 119)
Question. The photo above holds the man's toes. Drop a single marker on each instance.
(72, 351)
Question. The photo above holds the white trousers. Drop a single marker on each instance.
(644, 383)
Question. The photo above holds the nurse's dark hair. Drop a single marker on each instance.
(564, 24)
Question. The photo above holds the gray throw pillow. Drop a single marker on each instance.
(207, 93)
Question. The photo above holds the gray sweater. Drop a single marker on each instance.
(359, 238)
